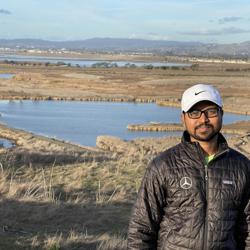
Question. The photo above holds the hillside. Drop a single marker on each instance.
(237, 50)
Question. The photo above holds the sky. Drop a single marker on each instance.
(209, 21)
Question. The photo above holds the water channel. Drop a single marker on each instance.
(85, 62)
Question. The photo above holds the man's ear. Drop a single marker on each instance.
(221, 116)
(183, 119)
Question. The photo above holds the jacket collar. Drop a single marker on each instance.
(222, 143)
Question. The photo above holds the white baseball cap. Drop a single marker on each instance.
(198, 93)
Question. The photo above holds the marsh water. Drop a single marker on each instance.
(84, 62)
(82, 122)
(6, 75)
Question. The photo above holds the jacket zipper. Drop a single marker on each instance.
(206, 195)
(206, 188)
(207, 199)
(206, 213)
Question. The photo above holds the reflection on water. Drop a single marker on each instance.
(82, 122)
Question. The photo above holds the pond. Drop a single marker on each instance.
(82, 122)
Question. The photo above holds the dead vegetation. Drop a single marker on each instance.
(126, 84)
(76, 206)
(81, 205)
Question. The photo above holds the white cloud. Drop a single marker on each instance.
(211, 32)
(229, 19)
(149, 36)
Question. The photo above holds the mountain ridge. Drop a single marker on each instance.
(135, 45)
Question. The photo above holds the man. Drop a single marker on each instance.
(196, 194)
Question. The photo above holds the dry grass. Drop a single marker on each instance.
(77, 206)
(81, 241)
(99, 182)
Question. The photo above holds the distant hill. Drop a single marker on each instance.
(240, 50)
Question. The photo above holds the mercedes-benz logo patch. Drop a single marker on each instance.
(186, 182)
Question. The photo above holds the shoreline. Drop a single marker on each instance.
(91, 55)
(28, 146)
(20, 136)
(236, 128)
(31, 148)
(157, 101)
(29, 140)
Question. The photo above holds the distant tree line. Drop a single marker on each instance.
(237, 69)
(104, 65)
(29, 63)
(145, 66)
(101, 65)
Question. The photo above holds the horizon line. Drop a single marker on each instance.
(121, 38)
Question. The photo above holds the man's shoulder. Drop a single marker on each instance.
(169, 153)
(240, 161)
(235, 154)
(164, 160)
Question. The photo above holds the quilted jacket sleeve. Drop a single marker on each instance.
(147, 212)
(247, 215)
(243, 234)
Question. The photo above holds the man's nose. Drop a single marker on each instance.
(204, 116)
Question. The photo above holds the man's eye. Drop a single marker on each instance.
(212, 111)
(195, 112)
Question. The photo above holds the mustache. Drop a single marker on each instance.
(204, 125)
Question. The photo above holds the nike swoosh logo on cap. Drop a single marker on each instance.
(197, 93)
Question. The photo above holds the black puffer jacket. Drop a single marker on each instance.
(184, 204)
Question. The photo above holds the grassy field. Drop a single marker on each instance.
(72, 206)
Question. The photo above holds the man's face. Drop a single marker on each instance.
(207, 126)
